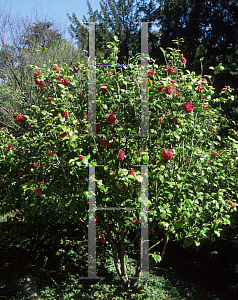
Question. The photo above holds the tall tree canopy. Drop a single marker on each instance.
(116, 19)
(42, 34)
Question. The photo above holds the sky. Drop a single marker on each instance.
(55, 10)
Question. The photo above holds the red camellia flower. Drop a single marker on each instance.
(100, 239)
(232, 131)
(170, 89)
(97, 127)
(172, 70)
(76, 70)
(168, 154)
(39, 192)
(184, 60)
(9, 147)
(160, 88)
(50, 99)
(86, 117)
(214, 153)
(223, 90)
(105, 143)
(63, 135)
(65, 115)
(134, 221)
(188, 107)
(164, 95)
(172, 80)
(151, 72)
(178, 93)
(210, 129)
(57, 69)
(175, 121)
(165, 67)
(95, 220)
(205, 106)
(204, 81)
(19, 118)
(160, 120)
(131, 172)
(35, 164)
(111, 118)
(104, 88)
(59, 79)
(121, 154)
(125, 230)
(66, 81)
(80, 156)
(37, 73)
(200, 88)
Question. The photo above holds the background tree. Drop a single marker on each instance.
(116, 19)
(42, 34)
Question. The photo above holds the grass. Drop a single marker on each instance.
(67, 259)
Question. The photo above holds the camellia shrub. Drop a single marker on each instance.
(192, 182)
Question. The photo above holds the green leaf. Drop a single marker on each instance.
(85, 160)
(99, 181)
(130, 176)
(156, 256)
(71, 161)
(139, 178)
(161, 178)
(170, 196)
(122, 171)
(79, 163)
(60, 205)
(121, 132)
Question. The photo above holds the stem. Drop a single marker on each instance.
(134, 281)
(124, 276)
(113, 246)
(163, 250)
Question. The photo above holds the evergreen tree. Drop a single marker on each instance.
(116, 19)
(42, 34)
